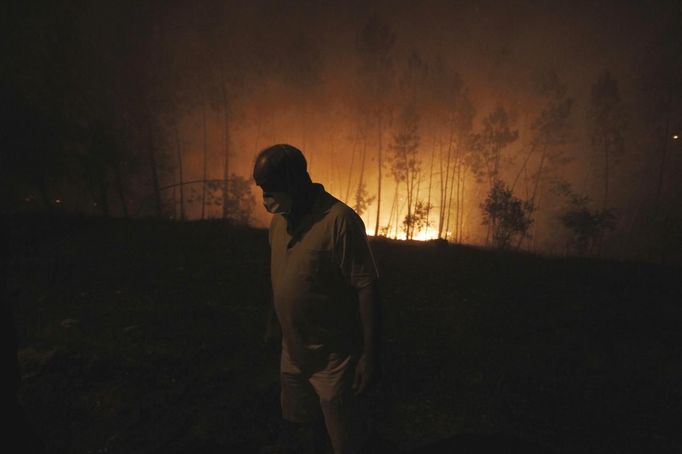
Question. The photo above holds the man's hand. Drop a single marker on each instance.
(365, 373)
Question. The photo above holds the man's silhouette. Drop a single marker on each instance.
(324, 282)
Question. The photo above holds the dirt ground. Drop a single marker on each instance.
(146, 337)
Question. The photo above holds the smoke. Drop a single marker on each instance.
(212, 83)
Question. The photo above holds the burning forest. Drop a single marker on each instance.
(493, 188)
(489, 127)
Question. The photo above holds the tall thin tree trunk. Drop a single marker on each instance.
(150, 136)
(410, 189)
(226, 172)
(226, 145)
(538, 177)
(534, 236)
(400, 210)
(350, 169)
(178, 150)
(449, 205)
(606, 173)
(461, 214)
(445, 202)
(428, 199)
(205, 172)
(331, 167)
(416, 200)
(453, 176)
(456, 178)
(379, 163)
(358, 194)
(154, 168)
(396, 227)
(397, 216)
(534, 198)
(444, 198)
(523, 166)
(394, 210)
(458, 200)
(441, 188)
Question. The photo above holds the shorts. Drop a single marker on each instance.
(307, 396)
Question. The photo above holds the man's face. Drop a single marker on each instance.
(277, 202)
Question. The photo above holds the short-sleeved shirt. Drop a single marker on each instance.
(316, 271)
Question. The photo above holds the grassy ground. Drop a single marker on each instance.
(145, 337)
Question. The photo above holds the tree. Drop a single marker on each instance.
(65, 102)
(362, 199)
(489, 144)
(454, 114)
(33, 155)
(506, 215)
(608, 123)
(405, 165)
(375, 47)
(241, 201)
(224, 64)
(414, 78)
(550, 129)
(549, 132)
(180, 168)
(350, 167)
(586, 226)
(418, 220)
(659, 113)
(487, 147)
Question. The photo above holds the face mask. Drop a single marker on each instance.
(277, 203)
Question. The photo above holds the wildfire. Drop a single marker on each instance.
(423, 235)
(426, 234)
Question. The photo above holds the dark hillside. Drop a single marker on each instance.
(146, 337)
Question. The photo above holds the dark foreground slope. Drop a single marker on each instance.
(146, 337)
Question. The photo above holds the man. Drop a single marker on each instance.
(324, 288)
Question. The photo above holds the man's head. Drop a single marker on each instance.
(281, 172)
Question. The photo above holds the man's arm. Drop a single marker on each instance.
(273, 330)
(368, 300)
(356, 263)
(370, 317)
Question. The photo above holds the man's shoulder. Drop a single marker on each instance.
(338, 210)
(343, 216)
